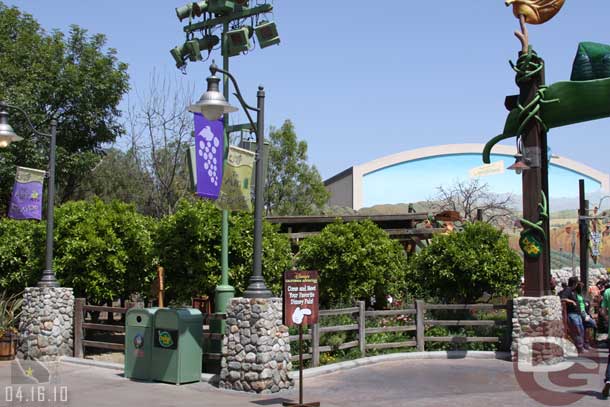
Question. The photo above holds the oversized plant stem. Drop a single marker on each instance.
(523, 35)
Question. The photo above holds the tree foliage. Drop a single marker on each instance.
(73, 77)
(104, 251)
(356, 261)
(119, 177)
(293, 186)
(462, 267)
(188, 243)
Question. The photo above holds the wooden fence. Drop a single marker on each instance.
(418, 324)
(81, 326)
(359, 314)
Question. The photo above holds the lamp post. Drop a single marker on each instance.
(8, 136)
(213, 105)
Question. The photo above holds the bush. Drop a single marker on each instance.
(462, 267)
(103, 251)
(356, 260)
(22, 245)
(188, 244)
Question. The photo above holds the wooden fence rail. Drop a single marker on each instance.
(417, 325)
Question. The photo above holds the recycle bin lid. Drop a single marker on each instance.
(148, 311)
(186, 314)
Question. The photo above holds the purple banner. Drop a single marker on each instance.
(209, 145)
(26, 201)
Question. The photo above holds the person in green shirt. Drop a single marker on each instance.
(587, 320)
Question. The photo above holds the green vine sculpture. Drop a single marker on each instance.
(529, 242)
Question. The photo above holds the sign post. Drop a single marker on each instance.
(301, 307)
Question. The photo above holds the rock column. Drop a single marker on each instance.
(537, 317)
(256, 347)
(46, 326)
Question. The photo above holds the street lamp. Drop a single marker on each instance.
(8, 136)
(213, 105)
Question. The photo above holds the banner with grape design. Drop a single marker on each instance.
(26, 201)
(209, 145)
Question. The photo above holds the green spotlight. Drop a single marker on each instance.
(179, 54)
(221, 6)
(267, 35)
(238, 40)
(197, 45)
(195, 9)
(192, 49)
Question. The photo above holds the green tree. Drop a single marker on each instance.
(103, 251)
(293, 187)
(462, 267)
(119, 176)
(356, 261)
(188, 245)
(73, 77)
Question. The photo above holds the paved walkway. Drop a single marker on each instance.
(422, 383)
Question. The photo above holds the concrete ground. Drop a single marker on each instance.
(422, 383)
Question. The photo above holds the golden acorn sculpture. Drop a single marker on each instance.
(535, 11)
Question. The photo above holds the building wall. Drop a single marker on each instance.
(415, 175)
(341, 190)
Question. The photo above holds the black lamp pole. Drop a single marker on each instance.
(256, 287)
(48, 276)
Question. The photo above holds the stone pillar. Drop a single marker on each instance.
(256, 347)
(46, 327)
(537, 317)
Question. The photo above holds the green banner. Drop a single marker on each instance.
(235, 192)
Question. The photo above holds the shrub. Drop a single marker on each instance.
(356, 260)
(188, 245)
(103, 251)
(22, 245)
(462, 267)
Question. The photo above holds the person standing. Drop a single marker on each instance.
(577, 330)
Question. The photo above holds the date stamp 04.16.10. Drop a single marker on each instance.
(34, 383)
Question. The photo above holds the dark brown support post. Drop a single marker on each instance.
(479, 215)
(583, 229)
(362, 328)
(509, 321)
(535, 181)
(420, 308)
(79, 317)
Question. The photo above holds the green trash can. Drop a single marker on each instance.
(138, 343)
(176, 348)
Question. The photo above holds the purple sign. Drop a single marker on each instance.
(209, 149)
(26, 200)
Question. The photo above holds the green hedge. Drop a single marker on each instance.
(462, 267)
(21, 254)
(104, 251)
(356, 261)
(188, 245)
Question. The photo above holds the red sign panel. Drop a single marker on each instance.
(300, 297)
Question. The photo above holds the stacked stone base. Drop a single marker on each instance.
(256, 348)
(46, 326)
(537, 317)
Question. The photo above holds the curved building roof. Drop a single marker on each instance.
(415, 175)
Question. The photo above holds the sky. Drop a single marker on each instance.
(362, 80)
